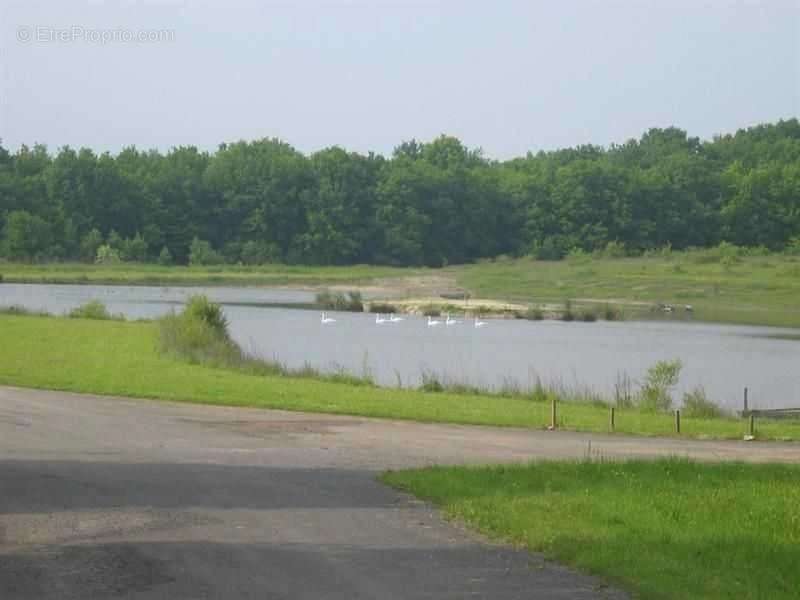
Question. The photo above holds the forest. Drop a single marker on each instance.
(432, 204)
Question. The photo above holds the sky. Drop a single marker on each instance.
(506, 76)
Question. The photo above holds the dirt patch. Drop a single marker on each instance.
(283, 426)
(394, 288)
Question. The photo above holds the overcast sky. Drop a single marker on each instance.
(508, 76)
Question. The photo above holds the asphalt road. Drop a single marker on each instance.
(114, 498)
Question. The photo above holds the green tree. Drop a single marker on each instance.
(201, 253)
(26, 236)
(89, 245)
(165, 257)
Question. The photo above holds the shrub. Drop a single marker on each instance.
(258, 253)
(431, 382)
(697, 404)
(200, 308)
(431, 311)
(549, 249)
(165, 257)
(352, 301)
(134, 249)
(578, 256)
(93, 310)
(383, 308)
(201, 253)
(568, 314)
(793, 246)
(106, 255)
(654, 394)
(614, 249)
(89, 245)
(588, 316)
(533, 313)
(21, 311)
(611, 313)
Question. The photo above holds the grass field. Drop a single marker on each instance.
(759, 290)
(122, 358)
(664, 530)
(145, 274)
(763, 290)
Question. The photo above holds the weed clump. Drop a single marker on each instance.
(349, 302)
(533, 313)
(94, 310)
(383, 308)
(568, 314)
(199, 334)
(18, 310)
(697, 404)
(655, 393)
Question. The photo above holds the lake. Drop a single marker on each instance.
(722, 358)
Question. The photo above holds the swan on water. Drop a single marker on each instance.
(380, 319)
(450, 321)
(325, 319)
(479, 323)
(433, 322)
(393, 318)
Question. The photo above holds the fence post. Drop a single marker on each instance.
(745, 400)
(611, 419)
(752, 425)
(677, 421)
(553, 412)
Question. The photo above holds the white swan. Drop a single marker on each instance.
(325, 319)
(479, 323)
(393, 318)
(450, 321)
(433, 322)
(379, 319)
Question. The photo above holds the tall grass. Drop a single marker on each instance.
(21, 311)
(94, 309)
(199, 334)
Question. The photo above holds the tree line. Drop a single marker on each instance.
(429, 204)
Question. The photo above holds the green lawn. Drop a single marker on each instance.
(144, 274)
(122, 358)
(756, 290)
(663, 530)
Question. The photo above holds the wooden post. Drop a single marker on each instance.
(677, 421)
(752, 426)
(553, 412)
(611, 419)
(745, 400)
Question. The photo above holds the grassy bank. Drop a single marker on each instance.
(123, 358)
(723, 285)
(145, 274)
(664, 530)
(760, 290)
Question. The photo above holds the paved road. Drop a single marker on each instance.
(113, 498)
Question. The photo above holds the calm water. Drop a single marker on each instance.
(722, 358)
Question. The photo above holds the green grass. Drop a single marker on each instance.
(759, 290)
(123, 358)
(663, 530)
(145, 274)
